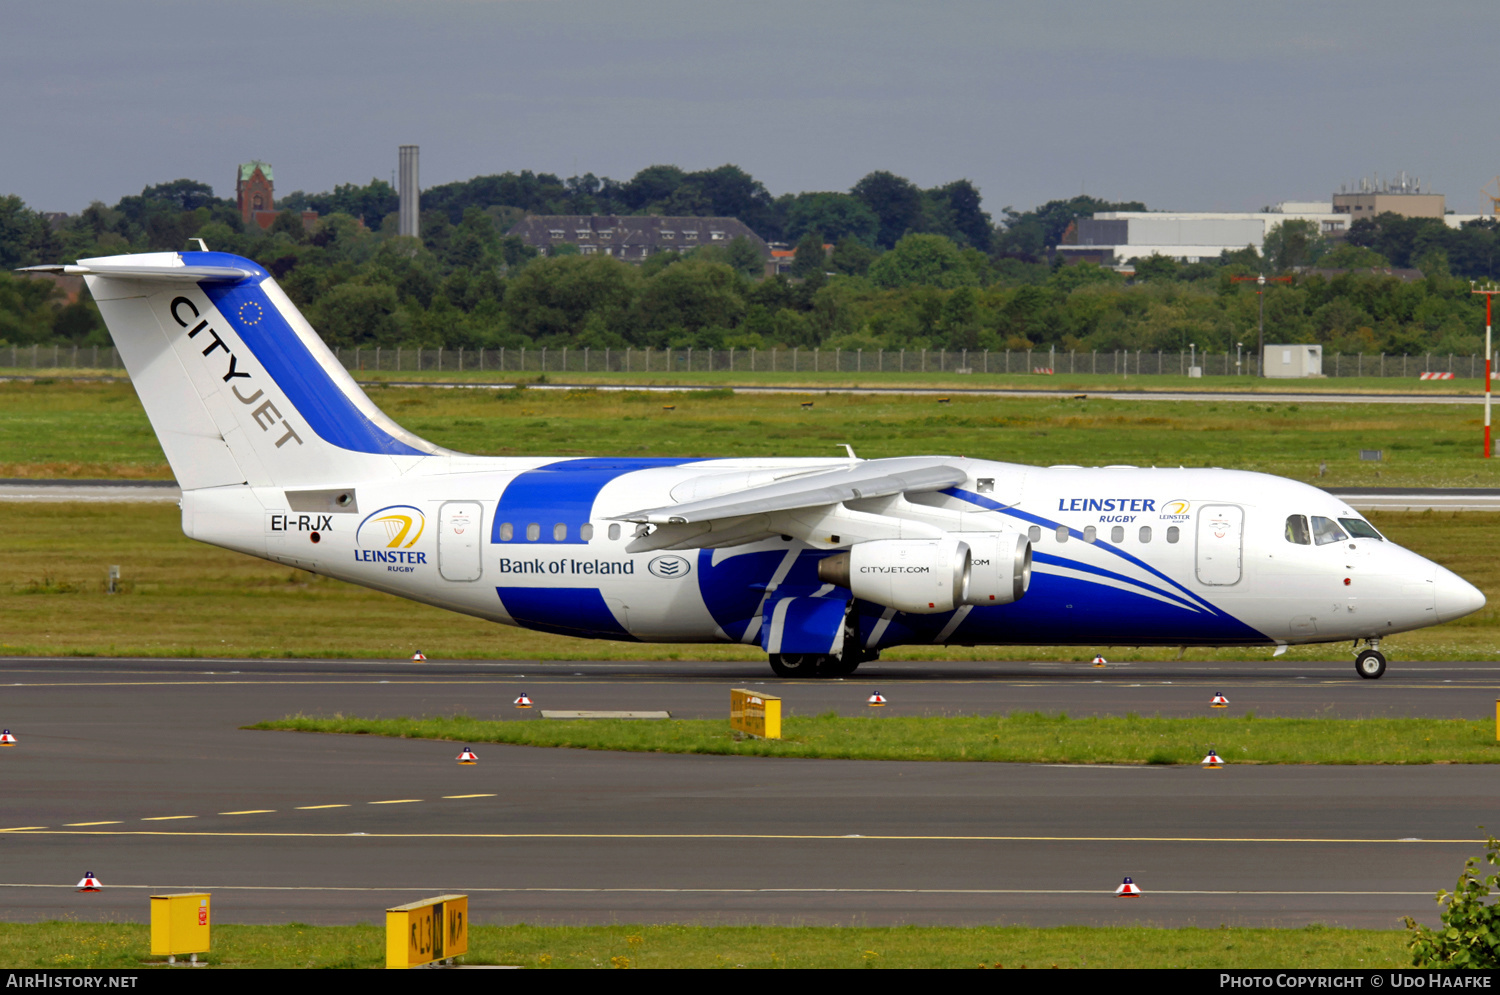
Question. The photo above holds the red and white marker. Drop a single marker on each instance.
(6, 739)
(523, 701)
(1219, 701)
(875, 699)
(418, 655)
(89, 882)
(1099, 661)
(1212, 761)
(467, 757)
(1128, 889)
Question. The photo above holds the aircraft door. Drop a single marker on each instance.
(459, 548)
(1221, 539)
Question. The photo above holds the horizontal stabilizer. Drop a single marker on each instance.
(868, 479)
(186, 274)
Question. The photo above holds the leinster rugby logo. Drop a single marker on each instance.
(393, 531)
(669, 567)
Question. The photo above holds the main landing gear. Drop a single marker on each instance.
(1370, 662)
(819, 664)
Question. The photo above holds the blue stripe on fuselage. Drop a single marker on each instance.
(1026, 516)
(562, 493)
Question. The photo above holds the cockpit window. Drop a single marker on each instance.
(1361, 529)
(1326, 530)
(1296, 530)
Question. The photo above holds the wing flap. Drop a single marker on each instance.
(868, 479)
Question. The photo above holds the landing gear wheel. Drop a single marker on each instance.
(840, 666)
(796, 664)
(1370, 664)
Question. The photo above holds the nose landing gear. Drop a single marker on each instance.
(1370, 662)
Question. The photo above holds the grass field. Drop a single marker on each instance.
(127, 945)
(85, 430)
(182, 598)
(1025, 737)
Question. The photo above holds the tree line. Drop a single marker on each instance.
(909, 268)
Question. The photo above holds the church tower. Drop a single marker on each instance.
(253, 191)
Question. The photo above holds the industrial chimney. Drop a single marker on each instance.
(410, 194)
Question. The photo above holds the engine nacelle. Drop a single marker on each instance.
(999, 567)
(923, 576)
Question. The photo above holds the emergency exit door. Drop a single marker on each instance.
(1221, 537)
(458, 540)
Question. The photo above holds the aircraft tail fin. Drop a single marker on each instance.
(236, 383)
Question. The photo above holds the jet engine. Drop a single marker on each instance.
(923, 576)
(999, 567)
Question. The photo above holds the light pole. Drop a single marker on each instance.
(1239, 352)
(1192, 357)
(1489, 293)
(1260, 293)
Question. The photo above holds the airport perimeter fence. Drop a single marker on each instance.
(1116, 362)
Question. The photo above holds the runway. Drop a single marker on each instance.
(138, 771)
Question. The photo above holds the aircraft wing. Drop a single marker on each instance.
(868, 479)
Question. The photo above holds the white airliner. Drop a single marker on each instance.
(821, 562)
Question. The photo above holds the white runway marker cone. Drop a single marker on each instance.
(1128, 890)
(1219, 701)
(1099, 661)
(418, 655)
(1212, 761)
(6, 739)
(523, 701)
(89, 882)
(467, 757)
(875, 699)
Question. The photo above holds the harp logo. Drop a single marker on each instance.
(388, 535)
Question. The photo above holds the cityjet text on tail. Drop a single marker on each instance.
(820, 562)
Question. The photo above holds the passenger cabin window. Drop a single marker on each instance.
(507, 532)
(1034, 533)
(1326, 530)
(1145, 533)
(1117, 534)
(1173, 533)
(1090, 533)
(1296, 530)
(559, 532)
(1062, 533)
(1360, 529)
(533, 532)
(614, 530)
(585, 532)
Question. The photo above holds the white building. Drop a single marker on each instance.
(1114, 237)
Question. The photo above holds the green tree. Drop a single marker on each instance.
(552, 299)
(1348, 256)
(1294, 242)
(895, 201)
(810, 258)
(744, 258)
(835, 216)
(923, 260)
(692, 296)
(852, 257)
(1470, 937)
(355, 314)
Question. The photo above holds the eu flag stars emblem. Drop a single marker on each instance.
(251, 313)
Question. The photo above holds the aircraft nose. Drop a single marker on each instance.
(1455, 597)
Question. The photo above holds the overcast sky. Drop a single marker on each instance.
(1185, 105)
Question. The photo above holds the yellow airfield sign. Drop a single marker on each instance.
(423, 932)
(755, 714)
